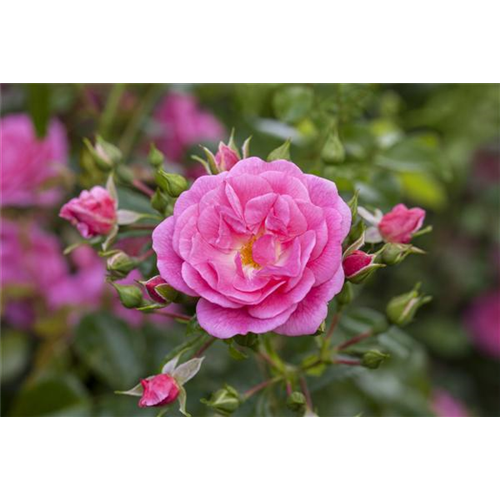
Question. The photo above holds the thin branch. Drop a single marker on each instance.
(333, 325)
(143, 188)
(354, 340)
(307, 394)
(204, 347)
(260, 386)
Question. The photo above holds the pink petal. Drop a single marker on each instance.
(169, 263)
(225, 323)
(313, 310)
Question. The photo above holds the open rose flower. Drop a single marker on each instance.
(159, 390)
(29, 164)
(260, 244)
(93, 212)
(399, 225)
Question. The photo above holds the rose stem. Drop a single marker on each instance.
(333, 325)
(288, 387)
(307, 394)
(140, 186)
(172, 315)
(354, 340)
(259, 387)
(204, 347)
(350, 362)
(146, 255)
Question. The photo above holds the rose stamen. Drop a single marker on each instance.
(246, 254)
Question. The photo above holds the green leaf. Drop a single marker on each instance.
(110, 349)
(39, 106)
(424, 189)
(236, 354)
(52, 396)
(293, 103)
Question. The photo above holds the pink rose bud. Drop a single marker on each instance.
(159, 390)
(93, 212)
(356, 262)
(159, 290)
(401, 223)
(225, 158)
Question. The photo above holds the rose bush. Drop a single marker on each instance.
(261, 245)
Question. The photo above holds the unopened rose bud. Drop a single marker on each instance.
(401, 309)
(395, 253)
(401, 223)
(155, 157)
(373, 359)
(225, 401)
(296, 401)
(160, 291)
(130, 296)
(93, 212)
(225, 158)
(159, 201)
(172, 184)
(120, 264)
(159, 390)
(358, 266)
(105, 154)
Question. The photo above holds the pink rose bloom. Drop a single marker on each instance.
(260, 244)
(159, 390)
(483, 323)
(93, 212)
(399, 225)
(29, 164)
(445, 405)
(184, 124)
(225, 158)
(356, 262)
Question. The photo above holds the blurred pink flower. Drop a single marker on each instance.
(445, 405)
(260, 244)
(29, 164)
(400, 223)
(159, 390)
(184, 124)
(93, 212)
(483, 323)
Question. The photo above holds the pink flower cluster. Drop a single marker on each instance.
(260, 244)
(184, 124)
(29, 164)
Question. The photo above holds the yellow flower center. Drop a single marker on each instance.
(246, 254)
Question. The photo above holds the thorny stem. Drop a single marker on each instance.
(204, 347)
(354, 340)
(307, 394)
(140, 186)
(260, 386)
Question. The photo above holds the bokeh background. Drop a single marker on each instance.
(67, 343)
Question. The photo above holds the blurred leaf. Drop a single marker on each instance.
(293, 103)
(110, 349)
(39, 106)
(424, 190)
(14, 349)
(52, 396)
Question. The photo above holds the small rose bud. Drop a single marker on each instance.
(93, 212)
(120, 264)
(172, 184)
(155, 157)
(159, 201)
(395, 253)
(225, 158)
(358, 266)
(225, 401)
(373, 359)
(105, 154)
(401, 309)
(130, 296)
(345, 296)
(159, 390)
(296, 401)
(160, 291)
(401, 223)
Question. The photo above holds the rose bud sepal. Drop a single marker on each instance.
(173, 184)
(130, 296)
(401, 309)
(159, 290)
(225, 401)
(395, 253)
(120, 264)
(373, 359)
